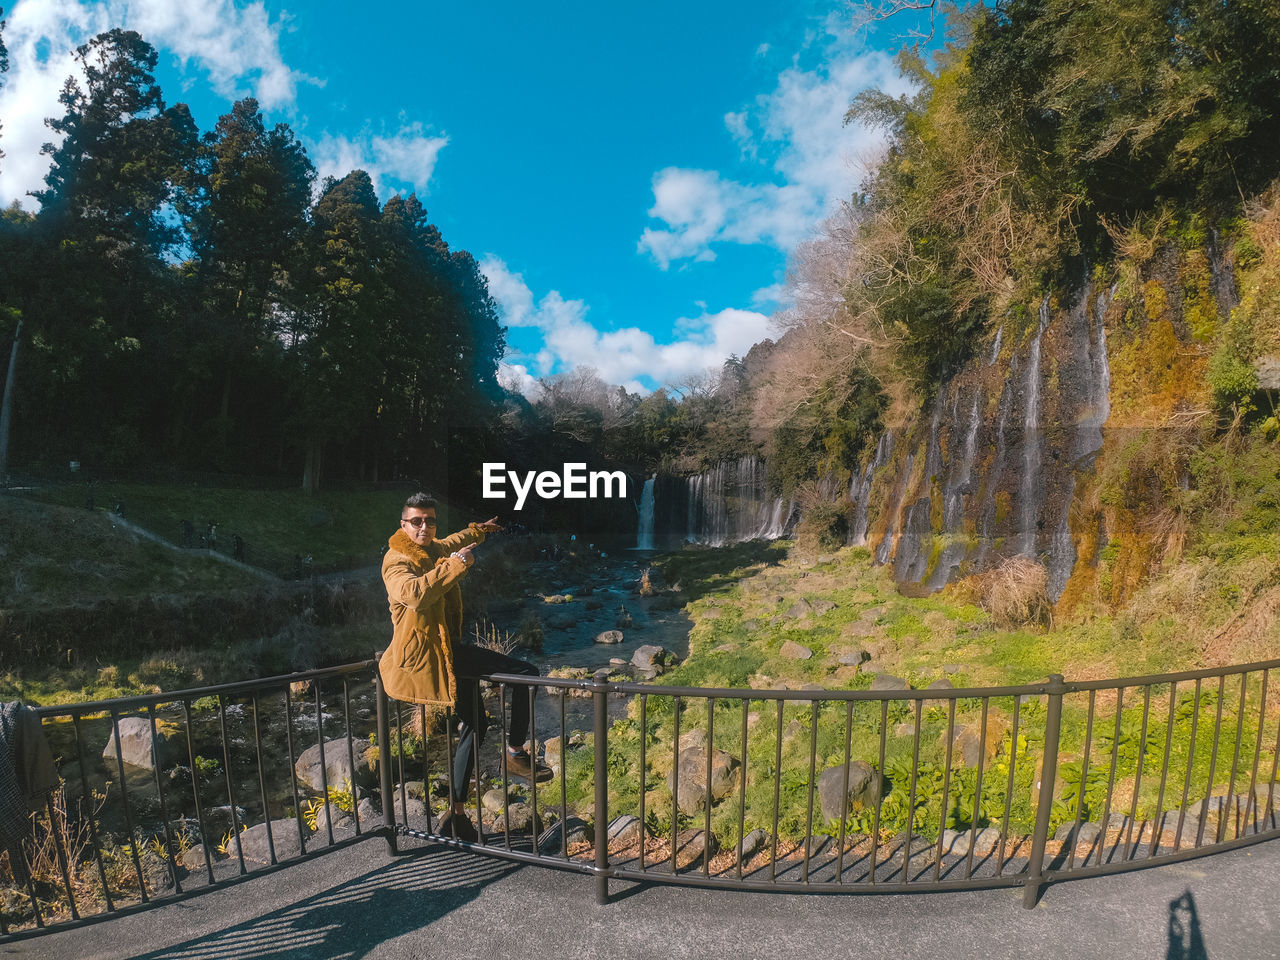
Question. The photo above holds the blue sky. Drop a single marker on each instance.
(632, 179)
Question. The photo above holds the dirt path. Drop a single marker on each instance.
(146, 534)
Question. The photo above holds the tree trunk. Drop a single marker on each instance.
(224, 408)
(311, 469)
(6, 405)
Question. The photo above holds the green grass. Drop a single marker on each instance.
(299, 646)
(59, 556)
(338, 530)
(738, 599)
(131, 616)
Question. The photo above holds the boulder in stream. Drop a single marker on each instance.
(337, 765)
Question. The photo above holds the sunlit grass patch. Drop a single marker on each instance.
(338, 529)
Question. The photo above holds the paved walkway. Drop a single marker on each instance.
(361, 903)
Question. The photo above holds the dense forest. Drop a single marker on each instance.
(198, 300)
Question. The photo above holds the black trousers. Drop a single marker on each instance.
(469, 664)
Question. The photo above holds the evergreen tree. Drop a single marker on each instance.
(338, 357)
(105, 229)
(246, 222)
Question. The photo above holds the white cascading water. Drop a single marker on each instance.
(953, 497)
(1098, 392)
(644, 530)
(730, 503)
(860, 493)
(1032, 438)
(1089, 335)
(1041, 490)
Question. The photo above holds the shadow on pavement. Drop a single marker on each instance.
(1185, 939)
(352, 919)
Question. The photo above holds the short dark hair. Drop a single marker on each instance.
(419, 501)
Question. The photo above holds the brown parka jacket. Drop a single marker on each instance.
(426, 615)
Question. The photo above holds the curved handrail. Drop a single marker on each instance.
(773, 735)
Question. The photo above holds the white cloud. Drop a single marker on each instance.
(239, 46)
(553, 315)
(409, 155)
(236, 46)
(625, 356)
(699, 208)
(774, 293)
(813, 162)
(740, 129)
(515, 376)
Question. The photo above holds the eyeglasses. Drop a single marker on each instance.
(417, 522)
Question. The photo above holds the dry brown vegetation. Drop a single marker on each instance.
(1015, 592)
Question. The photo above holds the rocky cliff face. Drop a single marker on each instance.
(991, 468)
(1009, 457)
(1029, 450)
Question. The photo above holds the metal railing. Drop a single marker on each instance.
(171, 794)
(856, 791)
(880, 790)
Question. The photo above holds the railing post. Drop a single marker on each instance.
(384, 764)
(1048, 775)
(600, 699)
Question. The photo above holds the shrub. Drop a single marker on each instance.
(531, 633)
(490, 637)
(1015, 593)
(170, 670)
(824, 527)
(1233, 383)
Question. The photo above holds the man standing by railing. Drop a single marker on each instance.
(428, 663)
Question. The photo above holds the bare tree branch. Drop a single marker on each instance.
(866, 12)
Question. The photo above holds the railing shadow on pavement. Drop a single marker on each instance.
(351, 919)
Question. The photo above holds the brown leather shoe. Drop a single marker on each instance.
(459, 827)
(521, 765)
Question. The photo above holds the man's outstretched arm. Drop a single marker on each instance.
(473, 533)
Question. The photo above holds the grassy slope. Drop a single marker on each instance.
(739, 605)
(62, 558)
(57, 556)
(339, 530)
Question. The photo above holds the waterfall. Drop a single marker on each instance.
(911, 558)
(995, 347)
(644, 532)
(1031, 441)
(958, 485)
(1097, 394)
(1088, 335)
(953, 500)
(885, 550)
(1062, 548)
(860, 493)
(730, 503)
